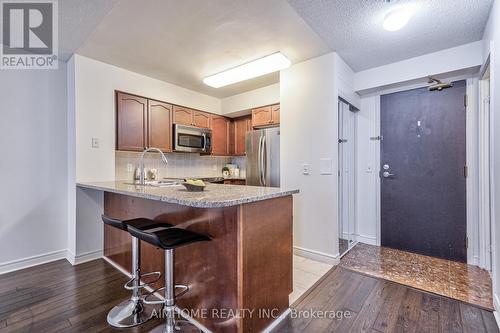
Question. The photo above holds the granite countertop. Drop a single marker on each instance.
(215, 195)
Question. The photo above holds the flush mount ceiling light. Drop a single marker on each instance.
(397, 18)
(271, 63)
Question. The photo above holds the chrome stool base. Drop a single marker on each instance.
(173, 324)
(130, 313)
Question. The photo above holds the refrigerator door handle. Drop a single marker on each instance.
(264, 160)
(260, 160)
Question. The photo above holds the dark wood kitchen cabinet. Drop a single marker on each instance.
(221, 135)
(130, 122)
(241, 127)
(142, 123)
(190, 117)
(201, 119)
(159, 125)
(266, 116)
(182, 115)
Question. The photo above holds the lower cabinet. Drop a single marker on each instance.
(234, 182)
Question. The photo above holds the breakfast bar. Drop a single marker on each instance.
(240, 280)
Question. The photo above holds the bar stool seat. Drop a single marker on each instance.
(134, 311)
(168, 240)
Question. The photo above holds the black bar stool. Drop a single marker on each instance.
(134, 311)
(168, 239)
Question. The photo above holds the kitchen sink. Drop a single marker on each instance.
(158, 183)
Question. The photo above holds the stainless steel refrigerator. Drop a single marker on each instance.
(263, 157)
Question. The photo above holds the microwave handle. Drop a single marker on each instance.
(204, 136)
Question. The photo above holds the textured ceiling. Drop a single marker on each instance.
(77, 19)
(353, 28)
(183, 41)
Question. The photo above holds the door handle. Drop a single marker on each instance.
(260, 160)
(264, 160)
(387, 174)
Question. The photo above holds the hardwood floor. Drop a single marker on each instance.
(359, 303)
(58, 297)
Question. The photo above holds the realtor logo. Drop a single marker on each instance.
(29, 34)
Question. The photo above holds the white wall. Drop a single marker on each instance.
(491, 46)
(238, 104)
(458, 60)
(309, 133)
(33, 198)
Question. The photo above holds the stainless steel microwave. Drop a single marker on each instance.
(192, 139)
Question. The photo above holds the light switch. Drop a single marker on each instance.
(306, 169)
(325, 166)
(95, 142)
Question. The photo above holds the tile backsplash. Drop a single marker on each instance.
(179, 165)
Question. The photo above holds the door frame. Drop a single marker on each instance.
(471, 137)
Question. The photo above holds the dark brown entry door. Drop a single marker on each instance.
(423, 198)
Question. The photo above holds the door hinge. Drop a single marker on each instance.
(466, 242)
(377, 138)
(466, 171)
(465, 100)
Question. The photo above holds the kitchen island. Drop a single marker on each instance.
(240, 280)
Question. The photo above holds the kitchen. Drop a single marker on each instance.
(218, 167)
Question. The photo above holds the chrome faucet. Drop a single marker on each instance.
(141, 164)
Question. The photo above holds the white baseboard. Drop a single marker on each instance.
(18, 264)
(84, 257)
(316, 255)
(276, 321)
(366, 239)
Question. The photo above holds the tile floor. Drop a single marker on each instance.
(463, 282)
(305, 273)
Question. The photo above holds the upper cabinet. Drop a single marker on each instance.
(159, 125)
(221, 135)
(182, 115)
(266, 116)
(275, 110)
(241, 127)
(190, 117)
(130, 122)
(201, 119)
(142, 123)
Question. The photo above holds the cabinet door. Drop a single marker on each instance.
(241, 127)
(182, 115)
(130, 122)
(261, 116)
(201, 119)
(220, 135)
(160, 125)
(275, 119)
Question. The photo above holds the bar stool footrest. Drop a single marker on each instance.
(129, 285)
(184, 290)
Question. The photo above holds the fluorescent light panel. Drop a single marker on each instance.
(271, 63)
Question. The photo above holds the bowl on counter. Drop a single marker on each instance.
(194, 185)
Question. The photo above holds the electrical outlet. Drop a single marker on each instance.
(95, 142)
(306, 169)
(130, 167)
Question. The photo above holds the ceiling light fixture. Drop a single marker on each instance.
(268, 64)
(397, 18)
